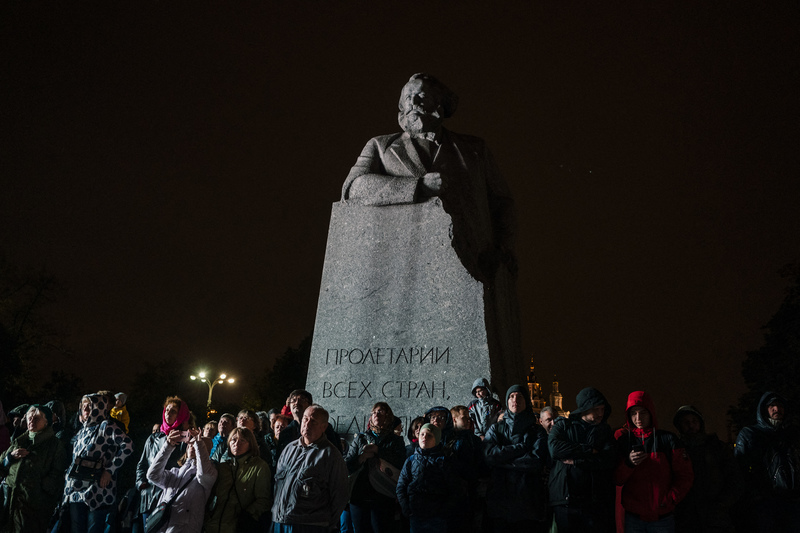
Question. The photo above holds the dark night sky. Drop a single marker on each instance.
(174, 166)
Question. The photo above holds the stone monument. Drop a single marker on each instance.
(418, 293)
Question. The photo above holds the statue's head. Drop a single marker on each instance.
(424, 103)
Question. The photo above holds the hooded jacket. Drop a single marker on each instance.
(651, 489)
(592, 450)
(717, 485)
(35, 480)
(759, 446)
(448, 428)
(99, 440)
(484, 411)
(515, 449)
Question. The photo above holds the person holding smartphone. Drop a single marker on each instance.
(654, 470)
(188, 485)
(176, 416)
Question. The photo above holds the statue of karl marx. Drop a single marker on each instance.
(427, 162)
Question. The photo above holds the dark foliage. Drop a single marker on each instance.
(776, 365)
(288, 373)
(26, 334)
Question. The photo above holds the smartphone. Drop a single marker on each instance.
(184, 436)
(638, 448)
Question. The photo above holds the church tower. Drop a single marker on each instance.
(556, 400)
(535, 391)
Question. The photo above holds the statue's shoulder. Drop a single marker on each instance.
(383, 141)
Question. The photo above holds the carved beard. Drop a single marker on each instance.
(418, 121)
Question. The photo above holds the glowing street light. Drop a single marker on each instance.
(201, 376)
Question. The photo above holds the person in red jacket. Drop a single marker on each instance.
(654, 470)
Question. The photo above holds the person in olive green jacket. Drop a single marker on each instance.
(243, 492)
(34, 467)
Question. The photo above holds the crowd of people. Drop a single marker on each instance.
(488, 466)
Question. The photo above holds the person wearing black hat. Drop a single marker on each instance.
(516, 453)
(34, 468)
(581, 483)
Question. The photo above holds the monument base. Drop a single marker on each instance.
(400, 320)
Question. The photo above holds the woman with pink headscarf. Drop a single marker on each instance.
(176, 416)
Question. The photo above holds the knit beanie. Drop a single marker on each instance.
(437, 433)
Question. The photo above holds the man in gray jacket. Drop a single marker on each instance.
(310, 480)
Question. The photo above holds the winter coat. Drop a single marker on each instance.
(148, 498)
(760, 445)
(515, 449)
(243, 486)
(188, 509)
(592, 450)
(310, 484)
(98, 440)
(483, 412)
(653, 488)
(36, 480)
(122, 415)
(717, 486)
(422, 488)
(391, 448)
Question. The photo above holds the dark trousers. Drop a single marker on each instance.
(372, 517)
(85, 520)
(584, 519)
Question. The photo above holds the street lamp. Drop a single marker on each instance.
(201, 376)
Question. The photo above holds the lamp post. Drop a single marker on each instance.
(201, 376)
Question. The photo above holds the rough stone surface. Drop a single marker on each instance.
(401, 320)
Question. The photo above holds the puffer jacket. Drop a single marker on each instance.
(515, 449)
(243, 486)
(36, 480)
(98, 440)
(310, 484)
(759, 444)
(391, 448)
(653, 488)
(422, 488)
(592, 449)
(186, 515)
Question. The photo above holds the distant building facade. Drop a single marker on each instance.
(537, 399)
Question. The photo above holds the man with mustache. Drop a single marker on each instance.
(426, 161)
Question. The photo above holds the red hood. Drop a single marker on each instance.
(640, 397)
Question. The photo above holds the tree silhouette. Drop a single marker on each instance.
(26, 334)
(776, 365)
(287, 374)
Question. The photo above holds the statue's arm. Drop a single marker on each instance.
(369, 184)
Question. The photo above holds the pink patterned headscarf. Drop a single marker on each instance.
(183, 416)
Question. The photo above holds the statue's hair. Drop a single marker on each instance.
(449, 98)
